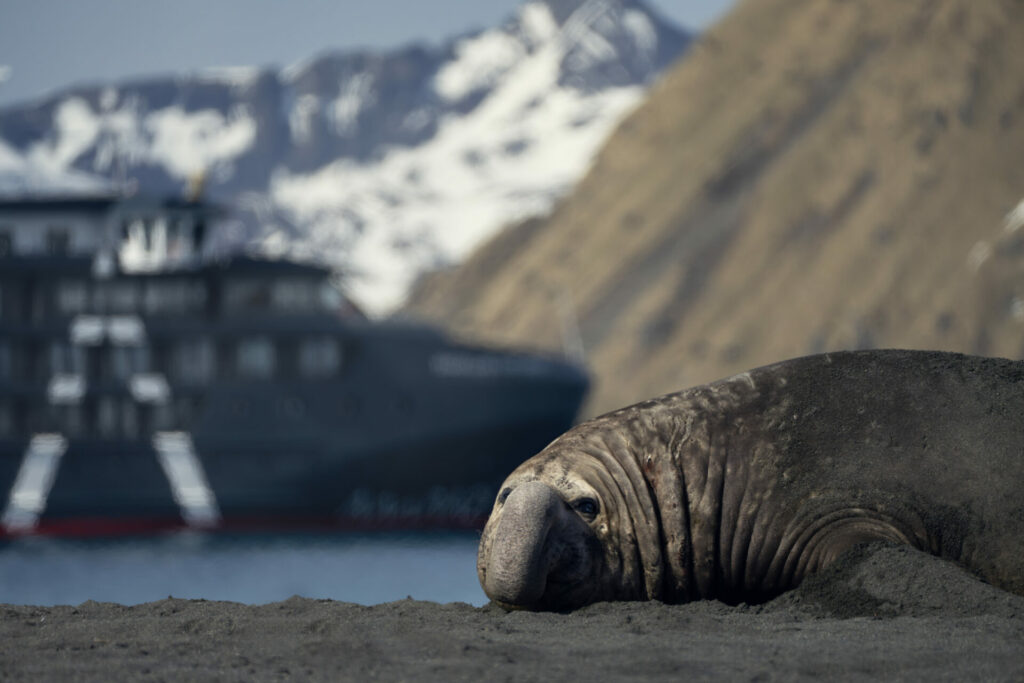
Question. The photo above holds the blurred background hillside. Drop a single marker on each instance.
(804, 176)
(813, 175)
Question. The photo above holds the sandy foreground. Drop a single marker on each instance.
(883, 612)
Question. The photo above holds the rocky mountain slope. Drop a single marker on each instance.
(814, 175)
(382, 164)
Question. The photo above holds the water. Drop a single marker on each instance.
(251, 568)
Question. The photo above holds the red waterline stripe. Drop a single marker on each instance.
(141, 526)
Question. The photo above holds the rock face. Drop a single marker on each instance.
(814, 175)
(381, 163)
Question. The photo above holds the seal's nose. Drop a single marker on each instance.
(517, 569)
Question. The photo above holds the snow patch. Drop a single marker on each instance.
(1015, 219)
(238, 77)
(189, 142)
(46, 165)
(416, 120)
(75, 129)
(19, 176)
(108, 98)
(356, 94)
(301, 116)
(294, 72)
(642, 31)
(386, 220)
(583, 35)
(537, 23)
(10, 160)
(480, 61)
(121, 142)
(979, 253)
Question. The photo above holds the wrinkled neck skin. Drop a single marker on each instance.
(703, 471)
(690, 461)
(713, 522)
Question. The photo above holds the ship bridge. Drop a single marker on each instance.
(129, 234)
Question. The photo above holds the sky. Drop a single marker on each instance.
(46, 45)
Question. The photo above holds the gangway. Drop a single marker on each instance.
(32, 486)
(191, 492)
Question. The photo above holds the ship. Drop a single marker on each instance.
(151, 381)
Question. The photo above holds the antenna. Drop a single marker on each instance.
(196, 185)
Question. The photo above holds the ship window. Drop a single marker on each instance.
(173, 296)
(106, 416)
(6, 418)
(126, 361)
(255, 358)
(163, 417)
(187, 409)
(58, 355)
(121, 362)
(57, 241)
(72, 297)
(246, 294)
(6, 242)
(199, 234)
(319, 357)
(66, 359)
(130, 418)
(290, 294)
(19, 364)
(179, 239)
(73, 423)
(123, 296)
(38, 360)
(194, 361)
(331, 298)
(111, 297)
(40, 302)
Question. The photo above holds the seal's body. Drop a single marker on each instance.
(738, 489)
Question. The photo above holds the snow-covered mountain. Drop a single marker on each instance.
(383, 164)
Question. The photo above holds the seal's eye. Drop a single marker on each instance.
(587, 507)
(504, 494)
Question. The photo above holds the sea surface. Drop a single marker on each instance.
(248, 568)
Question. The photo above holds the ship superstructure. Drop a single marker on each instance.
(145, 382)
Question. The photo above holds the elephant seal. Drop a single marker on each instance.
(738, 489)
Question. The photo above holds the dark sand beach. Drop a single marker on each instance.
(882, 612)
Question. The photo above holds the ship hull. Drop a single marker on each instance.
(294, 480)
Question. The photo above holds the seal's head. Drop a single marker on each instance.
(562, 533)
